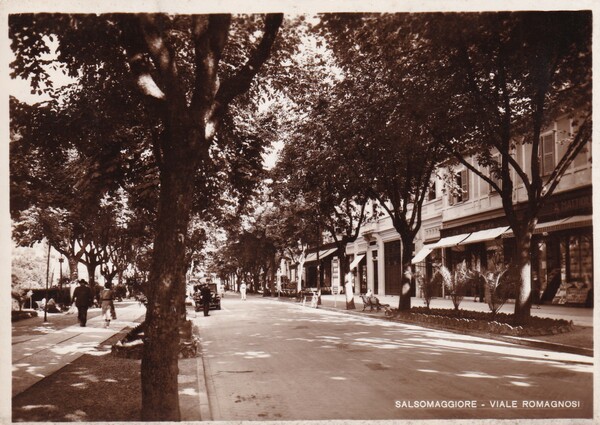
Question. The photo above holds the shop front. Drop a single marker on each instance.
(561, 254)
(319, 269)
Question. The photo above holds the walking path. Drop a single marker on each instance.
(40, 350)
(578, 341)
(36, 357)
(580, 316)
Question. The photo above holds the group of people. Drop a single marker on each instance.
(83, 299)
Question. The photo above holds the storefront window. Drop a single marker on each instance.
(580, 259)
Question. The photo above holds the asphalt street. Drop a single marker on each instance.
(270, 360)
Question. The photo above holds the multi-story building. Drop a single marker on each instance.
(471, 226)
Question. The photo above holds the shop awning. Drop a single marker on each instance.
(450, 241)
(322, 254)
(485, 235)
(572, 222)
(422, 254)
(356, 260)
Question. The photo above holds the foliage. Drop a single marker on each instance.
(455, 283)
(390, 119)
(514, 74)
(429, 286)
(499, 323)
(497, 289)
(28, 269)
(164, 84)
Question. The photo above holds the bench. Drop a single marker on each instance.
(311, 297)
(373, 302)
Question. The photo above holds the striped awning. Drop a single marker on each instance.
(322, 254)
(356, 260)
(422, 254)
(572, 222)
(485, 235)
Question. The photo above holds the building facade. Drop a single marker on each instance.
(471, 226)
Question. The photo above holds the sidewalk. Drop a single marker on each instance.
(40, 350)
(578, 341)
(36, 357)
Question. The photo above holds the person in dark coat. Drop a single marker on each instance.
(206, 295)
(83, 297)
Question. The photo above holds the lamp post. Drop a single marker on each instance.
(47, 277)
(61, 260)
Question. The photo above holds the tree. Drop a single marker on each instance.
(327, 185)
(176, 65)
(393, 79)
(519, 72)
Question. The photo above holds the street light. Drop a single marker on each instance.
(47, 277)
(61, 260)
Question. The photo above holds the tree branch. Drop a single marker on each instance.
(133, 42)
(240, 83)
(210, 36)
(583, 136)
(163, 57)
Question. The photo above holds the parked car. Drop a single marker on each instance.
(215, 299)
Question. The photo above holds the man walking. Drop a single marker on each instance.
(83, 298)
(243, 290)
(206, 296)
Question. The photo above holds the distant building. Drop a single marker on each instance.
(472, 227)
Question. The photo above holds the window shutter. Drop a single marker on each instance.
(464, 176)
(548, 162)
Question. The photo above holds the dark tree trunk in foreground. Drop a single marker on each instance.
(189, 129)
(521, 264)
(166, 288)
(405, 284)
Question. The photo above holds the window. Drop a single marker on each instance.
(493, 176)
(579, 255)
(431, 194)
(547, 151)
(462, 183)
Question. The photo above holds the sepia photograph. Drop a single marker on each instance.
(323, 212)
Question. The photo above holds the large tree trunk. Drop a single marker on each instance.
(91, 269)
(348, 289)
(73, 272)
(166, 289)
(523, 269)
(405, 284)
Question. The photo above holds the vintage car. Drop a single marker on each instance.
(215, 299)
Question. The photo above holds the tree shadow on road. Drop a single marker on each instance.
(92, 388)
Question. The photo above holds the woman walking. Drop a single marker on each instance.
(107, 297)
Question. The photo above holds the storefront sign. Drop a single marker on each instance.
(335, 272)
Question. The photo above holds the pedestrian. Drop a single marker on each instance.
(243, 290)
(107, 302)
(369, 294)
(83, 297)
(206, 296)
(349, 290)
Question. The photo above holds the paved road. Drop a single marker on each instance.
(270, 360)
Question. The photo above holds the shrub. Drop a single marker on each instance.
(501, 323)
(456, 283)
(429, 286)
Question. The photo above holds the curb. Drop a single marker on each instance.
(205, 413)
(533, 343)
(194, 405)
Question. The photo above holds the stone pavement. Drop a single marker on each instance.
(580, 341)
(580, 316)
(41, 349)
(35, 357)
